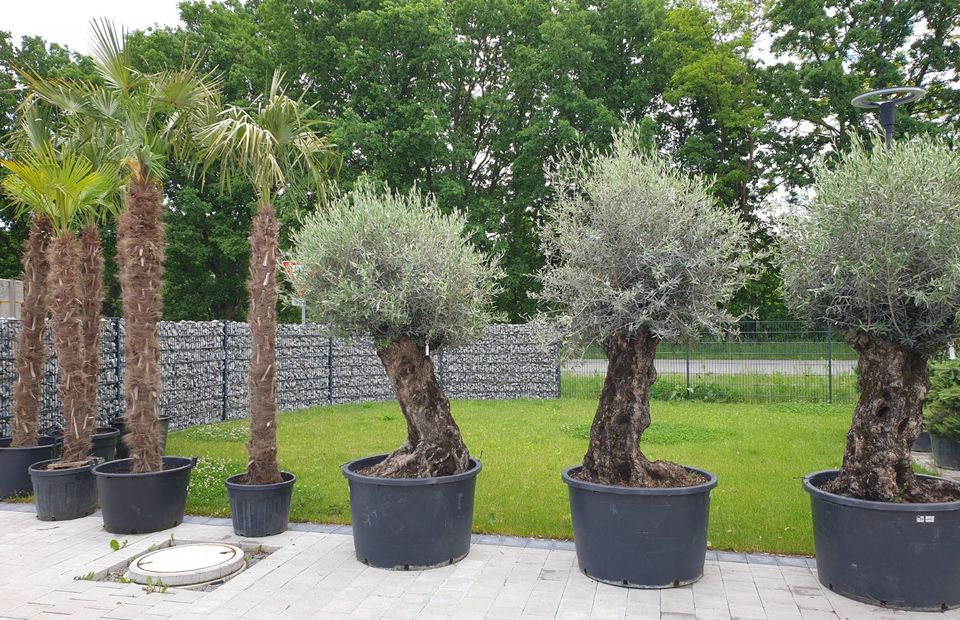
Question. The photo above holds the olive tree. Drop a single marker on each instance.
(390, 265)
(637, 252)
(876, 253)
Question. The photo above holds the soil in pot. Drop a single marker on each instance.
(135, 503)
(15, 464)
(121, 425)
(946, 452)
(637, 536)
(260, 509)
(899, 555)
(64, 493)
(410, 523)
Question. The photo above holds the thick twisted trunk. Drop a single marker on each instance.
(140, 252)
(91, 289)
(262, 375)
(67, 312)
(434, 446)
(877, 464)
(614, 455)
(28, 387)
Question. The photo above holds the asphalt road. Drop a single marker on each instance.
(723, 367)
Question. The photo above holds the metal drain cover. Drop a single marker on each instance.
(187, 565)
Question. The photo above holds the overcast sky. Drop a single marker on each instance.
(67, 21)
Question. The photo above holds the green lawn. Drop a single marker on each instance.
(759, 452)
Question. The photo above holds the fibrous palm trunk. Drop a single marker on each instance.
(262, 467)
(140, 252)
(889, 415)
(614, 456)
(67, 312)
(434, 446)
(27, 389)
(91, 286)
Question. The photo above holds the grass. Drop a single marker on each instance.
(740, 388)
(759, 452)
(769, 350)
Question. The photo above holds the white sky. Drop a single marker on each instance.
(68, 21)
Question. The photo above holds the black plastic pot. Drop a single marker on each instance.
(905, 556)
(260, 509)
(143, 503)
(15, 464)
(922, 443)
(104, 443)
(410, 523)
(121, 425)
(64, 494)
(946, 452)
(640, 537)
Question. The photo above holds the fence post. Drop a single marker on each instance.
(829, 363)
(117, 366)
(330, 369)
(224, 374)
(686, 355)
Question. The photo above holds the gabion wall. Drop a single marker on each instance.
(204, 366)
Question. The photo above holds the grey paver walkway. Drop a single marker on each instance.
(313, 574)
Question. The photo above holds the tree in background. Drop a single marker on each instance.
(275, 148)
(875, 253)
(390, 265)
(639, 252)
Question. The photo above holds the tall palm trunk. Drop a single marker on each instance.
(91, 285)
(67, 312)
(140, 252)
(262, 375)
(27, 390)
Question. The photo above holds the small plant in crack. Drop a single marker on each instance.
(117, 545)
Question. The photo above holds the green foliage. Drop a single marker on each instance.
(878, 245)
(636, 244)
(390, 265)
(942, 412)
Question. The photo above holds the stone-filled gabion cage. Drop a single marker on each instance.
(204, 367)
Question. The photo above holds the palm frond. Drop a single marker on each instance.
(110, 56)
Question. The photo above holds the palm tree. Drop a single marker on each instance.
(269, 146)
(63, 185)
(144, 119)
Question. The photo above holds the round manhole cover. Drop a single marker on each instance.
(185, 565)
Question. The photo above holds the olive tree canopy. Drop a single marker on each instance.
(877, 248)
(633, 243)
(389, 264)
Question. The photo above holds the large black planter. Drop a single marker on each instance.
(104, 443)
(946, 452)
(410, 523)
(121, 425)
(905, 556)
(142, 503)
(922, 443)
(15, 464)
(260, 509)
(640, 537)
(64, 494)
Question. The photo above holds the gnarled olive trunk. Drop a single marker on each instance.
(888, 418)
(262, 375)
(434, 446)
(140, 253)
(91, 289)
(614, 455)
(27, 389)
(67, 312)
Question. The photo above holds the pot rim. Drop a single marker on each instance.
(622, 490)
(105, 432)
(51, 442)
(352, 476)
(185, 463)
(53, 473)
(288, 480)
(828, 474)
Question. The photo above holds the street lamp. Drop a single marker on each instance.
(887, 100)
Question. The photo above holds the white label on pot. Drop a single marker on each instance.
(926, 518)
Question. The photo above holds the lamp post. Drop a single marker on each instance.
(887, 100)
